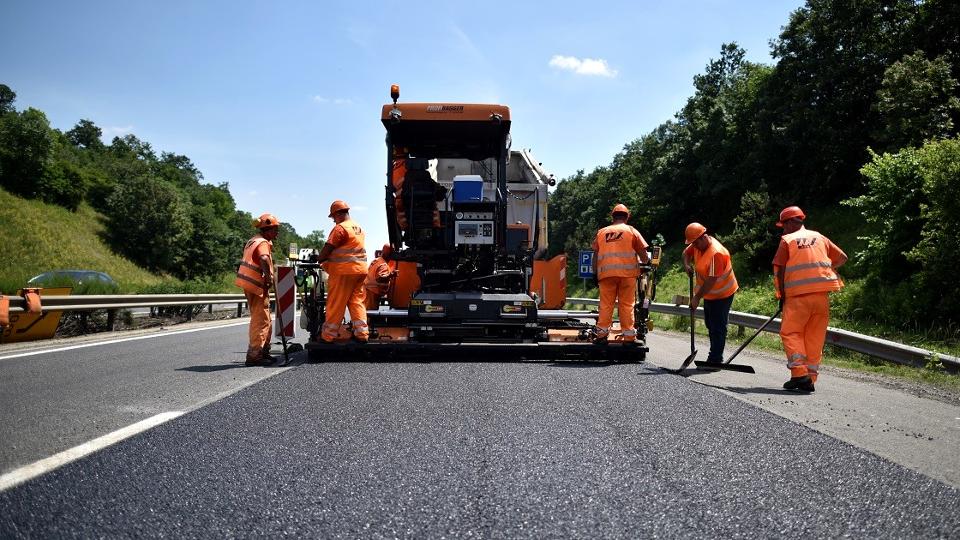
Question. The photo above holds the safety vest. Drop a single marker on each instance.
(726, 283)
(249, 274)
(378, 267)
(615, 254)
(809, 268)
(351, 257)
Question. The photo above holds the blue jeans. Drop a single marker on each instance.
(715, 314)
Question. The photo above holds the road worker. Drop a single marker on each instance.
(378, 277)
(616, 265)
(805, 272)
(706, 257)
(255, 277)
(345, 260)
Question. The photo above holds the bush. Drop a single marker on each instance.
(62, 184)
(911, 198)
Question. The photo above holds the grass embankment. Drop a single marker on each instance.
(756, 296)
(40, 237)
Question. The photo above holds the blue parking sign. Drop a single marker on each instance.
(586, 264)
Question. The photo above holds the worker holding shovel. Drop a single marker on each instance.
(706, 258)
(805, 273)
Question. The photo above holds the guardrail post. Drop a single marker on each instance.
(239, 309)
(739, 330)
(210, 309)
(111, 319)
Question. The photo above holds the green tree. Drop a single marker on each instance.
(7, 97)
(85, 134)
(917, 101)
(148, 220)
(818, 116)
(25, 144)
(316, 239)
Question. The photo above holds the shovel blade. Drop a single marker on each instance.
(686, 363)
(713, 366)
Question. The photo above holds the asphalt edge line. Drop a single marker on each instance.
(121, 340)
(37, 468)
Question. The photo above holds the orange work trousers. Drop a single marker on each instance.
(260, 324)
(621, 291)
(803, 331)
(345, 292)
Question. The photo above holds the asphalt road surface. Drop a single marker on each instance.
(433, 449)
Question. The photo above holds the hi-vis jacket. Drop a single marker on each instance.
(617, 246)
(249, 274)
(349, 257)
(808, 268)
(726, 283)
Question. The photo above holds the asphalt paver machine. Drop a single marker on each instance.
(467, 219)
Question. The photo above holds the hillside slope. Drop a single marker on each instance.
(41, 237)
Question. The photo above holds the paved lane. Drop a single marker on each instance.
(481, 449)
(56, 400)
(908, 424)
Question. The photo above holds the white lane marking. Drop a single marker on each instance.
(121, 340)
(27, 472)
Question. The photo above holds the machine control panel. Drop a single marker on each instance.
(474, 232)
(474, 215)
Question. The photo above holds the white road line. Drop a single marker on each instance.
(121, 340)
(18, 476)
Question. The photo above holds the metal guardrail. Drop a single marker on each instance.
(873, 346)
(92, 302)
(869, 345)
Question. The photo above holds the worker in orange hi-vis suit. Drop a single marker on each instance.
(345, 260)
(805, 272)
(710, 261)
(378, 278)
(617, 268)
(255, 277)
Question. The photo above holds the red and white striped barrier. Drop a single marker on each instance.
(286, 301)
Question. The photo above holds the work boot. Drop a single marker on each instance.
(799, 384)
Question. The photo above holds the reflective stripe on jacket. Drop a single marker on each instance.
(726, 283)
(249, 274)
(809, 268)
(351, 257)
(616, 256)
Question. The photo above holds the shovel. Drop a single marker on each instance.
(693, 349)
(743, 368)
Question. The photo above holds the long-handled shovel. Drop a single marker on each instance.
(743, 368)
(693, 349)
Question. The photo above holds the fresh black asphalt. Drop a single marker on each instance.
(483, 449)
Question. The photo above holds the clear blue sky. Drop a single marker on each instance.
(282, 99)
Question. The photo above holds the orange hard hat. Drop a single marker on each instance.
(620, 209)
(694, 231)
(789, 213)
(265, 221)
(338, 206)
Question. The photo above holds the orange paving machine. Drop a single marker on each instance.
(467, 220)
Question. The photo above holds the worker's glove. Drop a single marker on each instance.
(688, 270)
(780, 308)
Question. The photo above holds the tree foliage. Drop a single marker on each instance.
(751, 139)
(159, 210)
